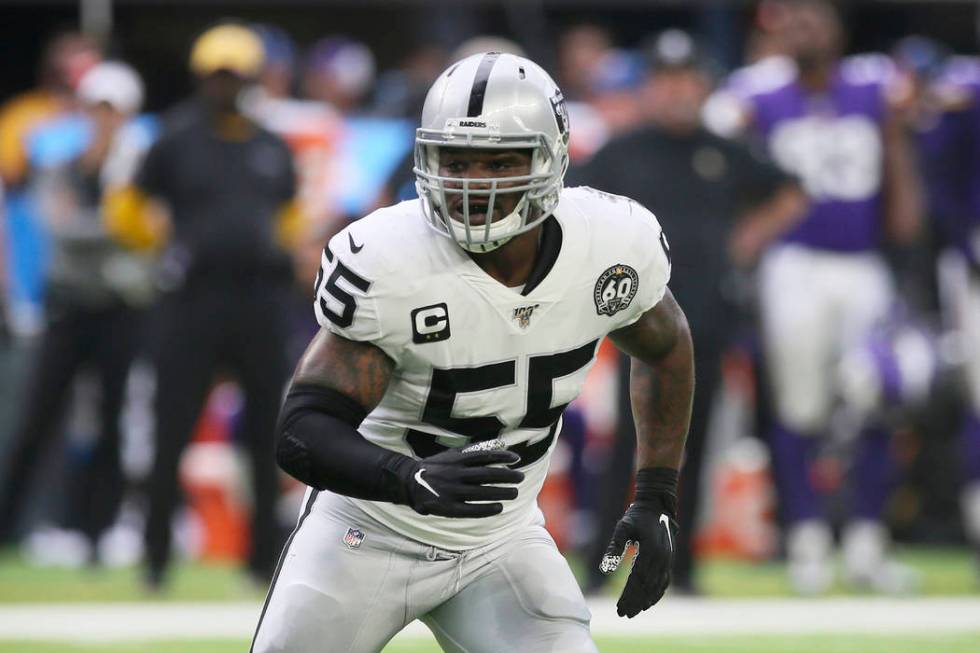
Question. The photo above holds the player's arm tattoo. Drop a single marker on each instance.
(661, 382)
(357, 369)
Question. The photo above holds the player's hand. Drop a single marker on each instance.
(650, 525)
(446, 483)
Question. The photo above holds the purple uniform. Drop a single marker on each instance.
(821, 291)
(949, 155)
(832, 141)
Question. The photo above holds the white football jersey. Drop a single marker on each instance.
(474, 359)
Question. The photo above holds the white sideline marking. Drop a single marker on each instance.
(103, 622)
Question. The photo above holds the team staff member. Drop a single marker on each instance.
(228, 187)
(719, 203)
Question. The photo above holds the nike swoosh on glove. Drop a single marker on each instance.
(649, 523)
(446, 483)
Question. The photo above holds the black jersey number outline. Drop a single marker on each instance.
(341, 271)
(542, 371)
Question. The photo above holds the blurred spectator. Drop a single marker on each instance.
(768, 37)
(580, 49)
(769, 63)
(313, 130)
(8, 367)
(94, 293)
(717, 203)
(340, 72)
(400, 185)
(822, 290)
(66, 58)
(400, 93)
(615, 87)
(279, 64)
(936, 107)
(229, 187)
(4, 320)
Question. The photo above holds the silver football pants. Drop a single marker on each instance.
(346, 583)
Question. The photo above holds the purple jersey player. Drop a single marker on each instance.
(948, 140)
(830, 122)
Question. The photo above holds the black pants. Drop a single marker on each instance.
(618, 475)
(206, 328)
(106, 340)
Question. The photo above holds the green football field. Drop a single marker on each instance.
(945, 573)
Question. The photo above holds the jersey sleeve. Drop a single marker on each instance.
(651, 252)
(349, 293)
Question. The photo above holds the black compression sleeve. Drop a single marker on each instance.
(318, 443)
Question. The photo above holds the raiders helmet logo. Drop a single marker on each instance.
(615, 289)
(561, 114)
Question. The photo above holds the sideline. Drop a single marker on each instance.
(112, 622)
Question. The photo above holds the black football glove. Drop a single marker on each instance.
(649, 523)
(445, 483)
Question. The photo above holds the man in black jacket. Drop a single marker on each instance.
(228, 186)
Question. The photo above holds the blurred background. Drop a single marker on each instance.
(815, 167)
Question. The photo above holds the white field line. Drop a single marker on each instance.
(101, 622)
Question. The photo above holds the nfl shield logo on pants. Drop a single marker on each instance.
(353, 538)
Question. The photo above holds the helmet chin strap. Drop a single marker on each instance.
(499, 230)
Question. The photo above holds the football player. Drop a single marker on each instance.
(831, 122)
(456, 329)
(947, 128)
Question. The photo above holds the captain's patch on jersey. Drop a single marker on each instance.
(615, 289)
(430, 324)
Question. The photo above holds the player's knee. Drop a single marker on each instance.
(300, 619)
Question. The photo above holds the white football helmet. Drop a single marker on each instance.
(492, 101)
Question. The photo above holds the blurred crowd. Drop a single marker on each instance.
(824, 227)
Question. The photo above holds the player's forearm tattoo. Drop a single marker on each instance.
(661, 382)
(661, 397)
(359, 370)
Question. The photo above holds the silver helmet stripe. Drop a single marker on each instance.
(479, 90)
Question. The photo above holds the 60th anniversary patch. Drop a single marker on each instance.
(615, 289)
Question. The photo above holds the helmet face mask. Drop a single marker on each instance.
(519, 108)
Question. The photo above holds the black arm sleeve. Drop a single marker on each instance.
(318, 444)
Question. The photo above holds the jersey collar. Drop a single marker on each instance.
(548, 250)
